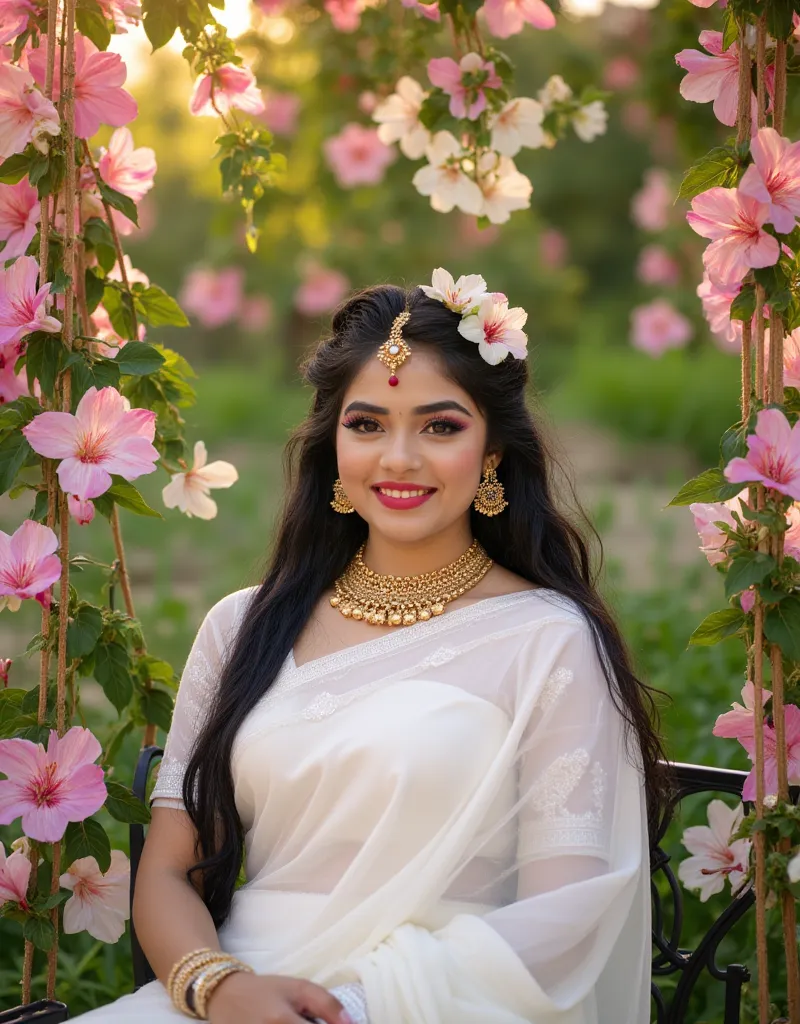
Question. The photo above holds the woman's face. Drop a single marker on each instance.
(392, 437)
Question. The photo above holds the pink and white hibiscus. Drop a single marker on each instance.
(122, 13)
(100, 903)
(504, 188)
(444, 180)
(28, 565)
(26, 115)
(463, 295)
(497, 330)
(189, 490)
(48, 789)
(740, 722)
(127, 169)
(774, 177)
(99, 77)
(715, 856)
(771, 755)
(651, 205)
(81, 509)
(465, 82)
(15, 873)
(357, 156)
(735, 224)
(427, 10)
(229, 86)
(19, 217)
(713, 75)
(658, 326)
(773, 456)
(398, 118)
(23, 308)
(13, 385)
(716, 300)
(713, 540)
(517, 124)
(104, 436)
(791, 539)
(213, 296)
(508, 17)
(14, 15)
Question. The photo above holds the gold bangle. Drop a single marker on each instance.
(187, 973)
(198, 976)
(208, 985)
(184, 960)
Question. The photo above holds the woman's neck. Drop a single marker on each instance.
(388, 556)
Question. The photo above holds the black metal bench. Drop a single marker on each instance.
(670, 958)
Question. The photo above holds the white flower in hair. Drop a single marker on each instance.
(462, 296)
(497, 330)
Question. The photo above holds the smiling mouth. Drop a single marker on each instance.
(391, 492)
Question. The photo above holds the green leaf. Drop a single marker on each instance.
(708, 486)
(119, 201)
(116, 738)
(157, 707)
(730, 30)
(14, 452)
(84, 631)
(717, 626)
(119, 306)
(126, 496)
(137, 358)
(90, 22)
(112, 671)
(55, 899)
(123, 804)
(160, 19)
(747, 569)
(93, 286)
(87, 838)
(39, 931)
(782, 626)
(779, 18)
(744, 304)
(720, 166)
(159, 309)
(14, 168)
(733, 444)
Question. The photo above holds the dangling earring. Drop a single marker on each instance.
(341, 503)
(490, 496)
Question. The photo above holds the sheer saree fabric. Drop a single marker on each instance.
(448, 814)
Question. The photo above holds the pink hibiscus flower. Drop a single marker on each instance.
(48, 790)
(497, 330)
(81, 509)
(715, 857)
(734, 222)
(14, 15)
(651, 205)
(791, 539)
(22, 308)
(323, 288)
(465, 82)
(774, 177)
(281, 112)
(658, 326)
(427, 10)
(227, 87)
(716, 300)
(773, 456)
(357, 156)
(28, 567)
(507, 17)
(128, 170)
(345, 14)
(15, 873)
(213, 296)
(12, 385)
(714, 76)
(100, 903)
(739, 723)
(770, 755)
(25, 114)
(713, 540)
(656, 266)
(99, 96)
(19, 216)
(104, 436)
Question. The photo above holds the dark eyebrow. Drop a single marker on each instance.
(420, 410)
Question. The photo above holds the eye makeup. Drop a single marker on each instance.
(453, 426)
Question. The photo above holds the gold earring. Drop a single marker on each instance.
(341, 503)
(490, 496)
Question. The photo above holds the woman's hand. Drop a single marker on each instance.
(244, 998)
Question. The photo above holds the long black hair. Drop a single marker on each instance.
(314, 544)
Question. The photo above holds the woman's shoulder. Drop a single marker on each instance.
(529, 602)
(227, 613)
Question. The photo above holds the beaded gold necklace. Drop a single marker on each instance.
(389, 600)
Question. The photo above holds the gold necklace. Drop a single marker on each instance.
(383, 600)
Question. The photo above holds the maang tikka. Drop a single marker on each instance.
(394, 351)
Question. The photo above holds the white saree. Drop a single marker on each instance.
(447, 814)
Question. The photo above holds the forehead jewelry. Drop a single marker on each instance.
(394, 351)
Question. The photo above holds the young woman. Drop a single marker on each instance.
(421, 733)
